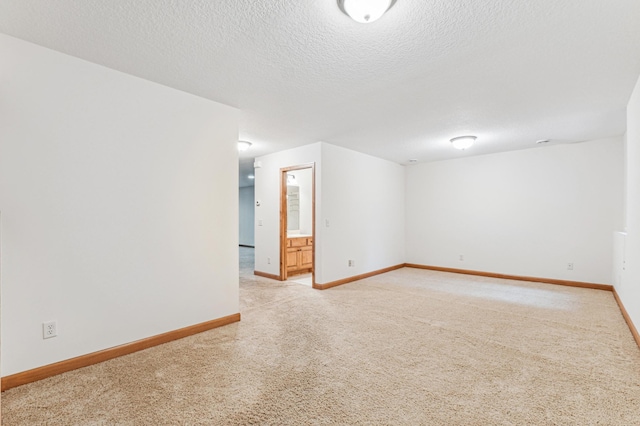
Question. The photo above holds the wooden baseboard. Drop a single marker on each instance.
(45, 371)
(627, 318)
(266, 275)
(605, 287)
(356, 277)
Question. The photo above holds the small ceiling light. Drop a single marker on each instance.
(463, 142)
(542, 141)
(243, 145)
(413, 160)
(251, 177)
(365, 11)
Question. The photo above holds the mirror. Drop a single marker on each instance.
(299, 202)
(293, 208)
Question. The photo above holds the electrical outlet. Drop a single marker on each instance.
(570, 266)
(352, 263)
(461, 257)
(49, 330)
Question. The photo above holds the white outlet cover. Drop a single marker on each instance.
(49, 329)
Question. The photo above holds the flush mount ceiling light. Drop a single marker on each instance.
(365, 11)
(243, 145)
(463, 142)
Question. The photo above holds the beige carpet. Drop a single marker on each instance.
(408, 347)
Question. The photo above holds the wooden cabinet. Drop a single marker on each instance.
(299, 255)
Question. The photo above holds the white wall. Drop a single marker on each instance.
(629, 291)
(361, 196)
(363, 200)
(527, 212)
(267, 187)
(119, 207)
(247, 215)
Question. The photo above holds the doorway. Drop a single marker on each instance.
(297, 221)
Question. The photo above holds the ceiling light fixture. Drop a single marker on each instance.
(243, 145)
(463, 142)
(365, 11)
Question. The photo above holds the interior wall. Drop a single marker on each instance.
(361, 198)
(529, 212)
(267, 193)
(119, 207)
(247, 215)
(363, 214)
(629, 287)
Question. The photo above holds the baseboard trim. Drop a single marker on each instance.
(356, 277)
(266, 275)
(605, 287)
(627, 318)
(45, 371)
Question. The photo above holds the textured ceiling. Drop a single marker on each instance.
(510, 72)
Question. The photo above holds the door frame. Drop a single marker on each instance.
(283, 218)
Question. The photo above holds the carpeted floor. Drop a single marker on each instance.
(408, 347)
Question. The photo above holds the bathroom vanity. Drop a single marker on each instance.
(299, 254)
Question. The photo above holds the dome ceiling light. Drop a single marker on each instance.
(243, 145)
(365, 11)
(463, 142)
